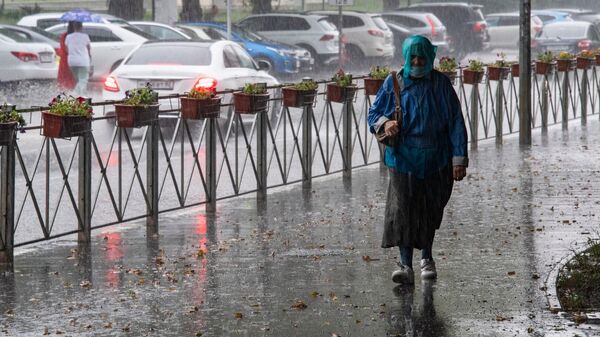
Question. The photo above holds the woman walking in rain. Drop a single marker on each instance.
(428, 152)
(65, 77)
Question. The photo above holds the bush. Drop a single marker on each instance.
(379, 73)
(447, 64)
(546, 57)
(201, 93)
(475, 65)
(64, 105)
(342, 79)
(254, 89)
(140, 96)
(306, 85)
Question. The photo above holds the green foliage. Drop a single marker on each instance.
(475, 65)
(306, 85)
(141, 96)
(564, 55)
(546, 57)
(578, 283)
(255, 88)
(342, 79)
(379, 73)
(8, 114)
(64, 105)
(201, 93)
(447, 64)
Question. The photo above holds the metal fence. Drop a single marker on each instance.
(54, 187)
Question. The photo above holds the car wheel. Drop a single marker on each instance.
(266, 63)
(313, 54)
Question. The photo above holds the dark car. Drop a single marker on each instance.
(570, 36)
(465, 24)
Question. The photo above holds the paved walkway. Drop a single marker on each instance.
(309, 264)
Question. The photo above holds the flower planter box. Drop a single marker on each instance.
(135, 116)
(543, 68)
(472, 77)
(7, 133)
(372, 86)
(57, 126)
(298, 98)
(338, 94)
(194, 108)
(514, 70)
(451, 75)
(584, 62)
(564, 65)
(250, 104)
(497, 73)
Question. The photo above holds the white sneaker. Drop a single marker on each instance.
(404, 275)
(428, 271)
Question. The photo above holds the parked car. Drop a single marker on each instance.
(24, 60)
(110, 44)
(503, 29)
(581, 14)
(551, 16)
(400, 34)
(571, 36)
(161, 31)
(275, 57)
(419, 23)
(465, 24)
(200, 32)
(46, 20)
(366, 35)
(29, 34)
(175, 67)
(311, 32)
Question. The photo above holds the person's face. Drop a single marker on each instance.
(417, 61)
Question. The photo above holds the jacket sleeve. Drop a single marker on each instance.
(383, 107)
(458, 131)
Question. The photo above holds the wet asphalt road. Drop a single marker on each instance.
(309, 263)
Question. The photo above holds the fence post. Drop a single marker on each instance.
(211, 164)
(84, 233)
(347, 137)
(7, 205)
(474, 115)
(545, 93)
(152, 177)
(584, 96)
(261, 153)
(499, 111)
(307, 120)
(564, 101)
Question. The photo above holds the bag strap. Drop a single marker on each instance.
(398, 110)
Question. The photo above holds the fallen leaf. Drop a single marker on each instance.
(512, 273)
(314, 294)
(238, 315)
(299, 305)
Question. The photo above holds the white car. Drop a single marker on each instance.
(110, 45)
(366, 34)
(160, 31)
(26, 61)
(503, 29)
(175, 67)
(45, 20)
(311, 32)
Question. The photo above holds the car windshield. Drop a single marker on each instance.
(44, 33)
(13, 35)
(563, 32)
(380, 23)
(160, 54)
(138, 31)
(247, 35)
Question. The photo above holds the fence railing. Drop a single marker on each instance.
(54, 187)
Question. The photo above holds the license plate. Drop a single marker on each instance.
(157, 84)
(557, 48)
(46, 57)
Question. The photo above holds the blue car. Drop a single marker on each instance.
(551, 16)
(274, 57)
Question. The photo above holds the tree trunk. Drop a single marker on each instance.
(190, 11)
(390, 4)
(127, 9)
(261, 6)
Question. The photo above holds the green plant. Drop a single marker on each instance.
(501, 61)
(475, 65)
(564, 55)
(254, 89)
(140, 96)
(201, 93)
(379, 73)
(64, 105)
(546, 57)
(447, 64)
(306, 85)
(8, 115)
(342, 79)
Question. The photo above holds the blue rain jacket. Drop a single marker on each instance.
(433, 129)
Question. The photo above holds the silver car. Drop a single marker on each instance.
(420, 23)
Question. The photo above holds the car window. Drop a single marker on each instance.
(593, 34)
(352, 21)
(214, 33)
(405, 21)
(378, 20)
(163, 33)
(45, 23)
(492, 21)
(153, 54)
(138, 31)
(16, 35)
(255, 24)
(294, 23)
(324, 22)
(477, 15)
(244, 59)
(508, 21)
(563, 31)
(44, 33)
(98, 34)
(229, 58)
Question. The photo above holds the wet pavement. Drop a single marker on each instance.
(309, 262)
